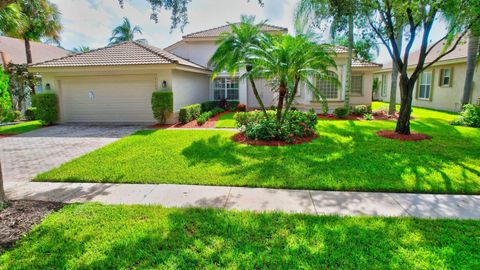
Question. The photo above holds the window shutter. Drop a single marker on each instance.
(440, 79)
(450, 83)
(432, 85)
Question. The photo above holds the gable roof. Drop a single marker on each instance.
(13, 50)
(459, 53)
(125, 53)
(217, 31)
(358, 63)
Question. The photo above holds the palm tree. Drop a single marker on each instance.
(125, 32)
(233, 51)
(472, 54)
(341, 14)
(289, 62)
(81, 49)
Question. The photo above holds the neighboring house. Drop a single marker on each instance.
(12, 50)
(440, 86)
(115, 83)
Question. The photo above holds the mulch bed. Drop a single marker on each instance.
(241, 138)
(19, 218)
(377, 115)
(6, 135)
(192, 124)
(413, 137)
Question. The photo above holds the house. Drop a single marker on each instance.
(115, 83)
(12, 50)
(440, 86)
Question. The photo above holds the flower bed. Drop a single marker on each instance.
(414, 137)
(376, 115)
(193, 124)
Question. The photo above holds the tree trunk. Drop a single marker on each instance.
(348, 83)
(255, 92)
(290, 99)
(473, 42)
(2, 192)
(28, 52)
(406, 93)
(282, 91)
(393, 86)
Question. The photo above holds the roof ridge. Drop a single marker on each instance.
(229, 24)
(80, 53)
(145, 46)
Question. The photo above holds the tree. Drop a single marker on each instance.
(81, 49)
(343, 16)
(287, 63)
(125, 32)
(234, 49)
(5, 3)
(393, 86)
(472, 54)
(389, 17)
(5, 100)
(365, 48)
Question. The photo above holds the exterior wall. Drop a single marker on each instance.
(198, 52)
(268, 97)
(189, 88)
(443, 97)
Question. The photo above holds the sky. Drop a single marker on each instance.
(90, 22)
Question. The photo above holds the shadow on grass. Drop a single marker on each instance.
(100, 237)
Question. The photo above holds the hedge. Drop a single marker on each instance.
(47, 107)
(224, 104)
(162, 105)
(189, 113)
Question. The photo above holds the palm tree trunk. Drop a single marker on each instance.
(290, 99)
(393, 86)
(473, 42)
(28, 52)
(282, 91)
(2, 191)
(255, 91)
(348, 83)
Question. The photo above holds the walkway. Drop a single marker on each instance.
(254, 199)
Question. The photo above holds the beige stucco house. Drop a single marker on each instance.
(114, 84)
(439, 87)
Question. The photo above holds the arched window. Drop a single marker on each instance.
(328, 88)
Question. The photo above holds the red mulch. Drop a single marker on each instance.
(377, 115)
(6, 135)
(19, 217)
(193, 124)
(241, 138)
(414, 137)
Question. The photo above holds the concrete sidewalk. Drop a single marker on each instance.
(254, 199)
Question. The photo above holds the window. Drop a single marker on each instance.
(384, 85)
(225, 88)
(425, 85)
(357, 84)
(328, 88)
(446, 77)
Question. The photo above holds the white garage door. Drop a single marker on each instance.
(107, 99)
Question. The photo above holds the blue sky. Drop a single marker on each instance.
(90, 22)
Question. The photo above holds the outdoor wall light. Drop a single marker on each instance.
(164, 84)
(48, 87)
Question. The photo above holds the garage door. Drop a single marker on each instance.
(107, 99)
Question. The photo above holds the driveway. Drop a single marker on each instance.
(26, 155)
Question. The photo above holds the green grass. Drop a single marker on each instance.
(20, 128)
(347, 156)
(93, 236)
(226, 121)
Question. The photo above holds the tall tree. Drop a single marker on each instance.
(394, 82)
(234, 49)
(343, 16)
(366, 48)
(289, 62)
(125, 32)
(389, 17)
(472, 54)
(81, 49)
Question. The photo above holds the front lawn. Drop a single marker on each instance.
(20, 128)
(347, 156)
(93, 236)
(226, 121)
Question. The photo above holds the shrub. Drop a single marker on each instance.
(360, 109)
(232, 105)
(258, 127)
(162, 105)
(470, 116)
(203, 118)
(216, 111)
(241, 107)
(340, 112)
(47, 107)
(209, 105)
(30, 113)
(368, 116)
(5, 101)
(189, 113)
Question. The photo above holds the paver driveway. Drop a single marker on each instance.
(26, 155)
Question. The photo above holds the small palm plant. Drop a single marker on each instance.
(234, 49)
(125, 32)
(290, 62)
